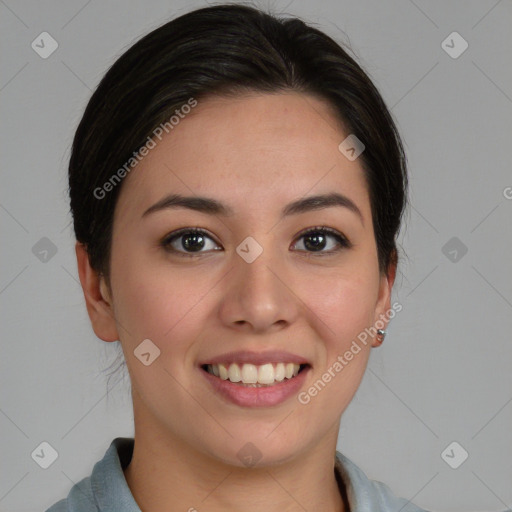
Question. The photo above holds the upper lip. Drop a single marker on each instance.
(256, 358)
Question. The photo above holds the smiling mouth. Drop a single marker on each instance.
(255, 376)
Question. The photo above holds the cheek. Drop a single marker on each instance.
(157, 304)
(347, 308)
(346, 304)
(144, 303)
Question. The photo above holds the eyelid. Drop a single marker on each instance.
(192, 229)
(343, 241)
(329, 230)
(167, 239)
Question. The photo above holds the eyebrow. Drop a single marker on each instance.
(213, 207)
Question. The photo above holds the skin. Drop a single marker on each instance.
(255, 153)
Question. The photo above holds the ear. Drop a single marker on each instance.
(97, 297)
(383, 305)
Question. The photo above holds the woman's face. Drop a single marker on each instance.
(251, 288)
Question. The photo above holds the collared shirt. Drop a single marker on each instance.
(106, 490)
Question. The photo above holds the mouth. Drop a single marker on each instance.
(255, 379)
(255, 376)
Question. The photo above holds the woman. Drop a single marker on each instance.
(237, 184)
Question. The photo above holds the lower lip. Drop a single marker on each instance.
(265, 396)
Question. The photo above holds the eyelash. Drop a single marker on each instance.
(343, 242)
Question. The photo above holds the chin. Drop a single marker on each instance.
(257, 451)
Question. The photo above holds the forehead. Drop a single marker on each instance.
(255, 153)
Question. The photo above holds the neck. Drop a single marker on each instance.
(167, 474)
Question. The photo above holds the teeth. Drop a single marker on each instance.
(234, 373)
(249, 374)
(223, 372)
(266, 374)
(252, 375)
(280, 372)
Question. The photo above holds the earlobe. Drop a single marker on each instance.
(382, 311)
(97, 297)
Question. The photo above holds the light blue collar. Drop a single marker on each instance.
(111, 491)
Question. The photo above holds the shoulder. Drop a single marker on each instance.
(105, 490)
(79, 499)
(369, 495)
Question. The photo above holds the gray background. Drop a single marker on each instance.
(443, 373)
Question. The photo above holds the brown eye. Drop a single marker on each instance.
(194, 241)
(317, 240)
(188, 241)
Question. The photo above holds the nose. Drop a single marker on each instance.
(259, 296)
